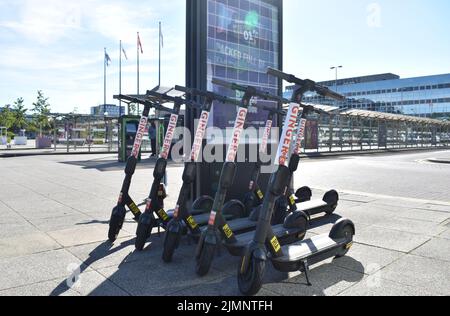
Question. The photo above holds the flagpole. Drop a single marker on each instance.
(138, 90)
(120, 78)
(159, 74)
(104, 82)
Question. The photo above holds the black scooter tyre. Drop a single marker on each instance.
(348, 232)
(250, 282)
(205, 259)
(115, 225)
(170, 244)
(142, 233)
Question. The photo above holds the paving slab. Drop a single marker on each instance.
(436, 207)
(367, 260)
(81, 235)
(105, 255)
(445, 234)
(31, 269)
(143, 279)
(327, 280)
(425, 215)
(60, 222)
(94, 284)
(429, 274)
(41, 289)
(222, 287)
(417, 227)
(19, 228)
(26, 244)
(437, 248)
(357, 198)
(374, 285)
(390, 239)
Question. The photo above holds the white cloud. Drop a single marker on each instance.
(46, 21)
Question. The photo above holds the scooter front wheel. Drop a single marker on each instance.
(250, 282)
(204, 260)
(116, 223)
(142, 233)
(170, 244)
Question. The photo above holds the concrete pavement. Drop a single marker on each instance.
(54, 212)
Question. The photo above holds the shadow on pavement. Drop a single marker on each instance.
(114, 165)
(102, 251)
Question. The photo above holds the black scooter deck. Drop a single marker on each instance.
(284, 236)
(314, 207)
(314, 250)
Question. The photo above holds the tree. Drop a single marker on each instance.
(19, 112)
(41, 112)
(6, 117)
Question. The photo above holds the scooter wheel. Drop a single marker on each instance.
(204, 203)
(170, 244)
(142, 234)
(346, 232)
(251, 281)
(116, 223)
(205, 259)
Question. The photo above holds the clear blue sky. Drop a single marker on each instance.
(57, 46)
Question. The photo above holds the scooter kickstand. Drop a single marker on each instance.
(306, 268)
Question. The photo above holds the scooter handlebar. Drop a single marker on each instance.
(324, 91)
(282, 75)
(255, 92)
(207, 94)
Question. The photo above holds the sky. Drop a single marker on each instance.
(58, 46)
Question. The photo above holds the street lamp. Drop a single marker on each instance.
(336, 68)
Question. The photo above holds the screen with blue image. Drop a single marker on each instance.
(243, 40)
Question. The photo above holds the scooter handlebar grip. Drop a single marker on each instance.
(329, 94)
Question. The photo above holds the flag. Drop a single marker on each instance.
(161, 37)
(107, 59)
(124, 53)
(140, 44)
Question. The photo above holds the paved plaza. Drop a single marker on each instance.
(54, 213)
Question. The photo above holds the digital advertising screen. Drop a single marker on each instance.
(243, 40)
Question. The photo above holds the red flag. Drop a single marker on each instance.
(139, 43)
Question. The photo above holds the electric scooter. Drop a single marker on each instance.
(289, 227)
(265, 245)
(155, 215)
(236, 208)
(182, 216)
(125, 201)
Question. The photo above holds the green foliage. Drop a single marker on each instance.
(19, 112)
(6, 117)
(41, 111)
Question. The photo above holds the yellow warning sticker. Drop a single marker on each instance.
(260, 194)
(227, 231)
(191, 222)
(163, 215)
(134, 209)
(292, 200)
(349, 245)
(275, 244)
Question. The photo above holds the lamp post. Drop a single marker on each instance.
(336, 68)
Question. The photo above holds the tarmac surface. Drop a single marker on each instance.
(54, 213)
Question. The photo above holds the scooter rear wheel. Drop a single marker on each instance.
(251, 281)
(170, 244)
(116, 223)
(205, 259)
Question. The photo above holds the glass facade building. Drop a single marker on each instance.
(111, 109)
(427, 96)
